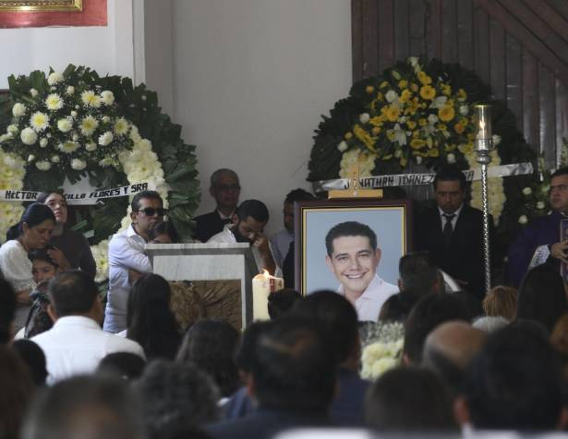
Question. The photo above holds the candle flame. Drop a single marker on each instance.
(265, 272)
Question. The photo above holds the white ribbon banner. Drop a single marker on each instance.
(420, 179)
(79, 198)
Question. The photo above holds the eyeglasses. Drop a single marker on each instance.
(150, 211)
(228, 187)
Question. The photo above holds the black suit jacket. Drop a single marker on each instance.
(463, 260)
(208, 224)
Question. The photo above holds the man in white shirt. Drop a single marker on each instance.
(353, 257)
(76, 343)
(248, 226)
(127, 258)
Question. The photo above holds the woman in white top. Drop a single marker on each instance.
(32, 232)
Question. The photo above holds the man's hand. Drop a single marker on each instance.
(558, 251)
(59, 258)
(261, 242)
(133, 275)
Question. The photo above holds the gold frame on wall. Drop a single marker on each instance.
(41, 5)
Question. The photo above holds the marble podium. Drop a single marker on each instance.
(200, 264)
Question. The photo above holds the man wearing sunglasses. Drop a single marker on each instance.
(540, 241)
(126, 256)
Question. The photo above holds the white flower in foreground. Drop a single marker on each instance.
(28, 136)
(91, 146)
(13, 130)
(105, 119)
(88, 125)
(121, 127)
(134, 134)
(43, 165)
(55, 159)
(73, 114)
(33, 92)
(364, 118)
(464, 109)
(540, 205)
(523, 219)
(55, 78)
(39, 121)
(78, 164)
(90, 99)
(68, 147)
(18, 110)
(451, 158)
(70, 90)
(65, 125)
(527, 191)
(342, 146)
(43, 142)
(106, 138)
(54, 102)
(107, 97)
(391, 96)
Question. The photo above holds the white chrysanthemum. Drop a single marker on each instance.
(391, 96)
(43, 142)
(527, 191)
(100, 254)
(364, 118)
(342, 146)
(70, 90)
(33, 92)
(134, 134)
(91, 146)
(432, 119)
(144, 145)
(28, 136)
(39, 121)
(74, 114)
(55, 159)
(65, 125)
(106, 138)
(365, 159)
(106, 119)
(88, 125)
(451, 158)
(523, 219)
(107, 97)
(68, 147)
(540, 205)
(54, 102)
(464, 110)
(90, 99)
(55, 78)
(5, 137)
(121, 127)
(78, 164)
(18, 110)
(107, 161)
(43, 165)
(13, 129)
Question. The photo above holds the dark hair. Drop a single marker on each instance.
(211, 345)
(418, 273)
(72, 292)
(450, 173)
(149, 318)
(409, 399)
(255, 209)
(33, 356)
(430, 311)
(279, 302)
(97, 407)
(336, 317)
(7, 310)
(397, 307)
(298, 195)
(43, 196)
(559, 172)
(349, 228)
(40, 254)
(245, 355)
(164, 228)
(151, 195)
(515, 383)
(176, 395)
(34, 214)
(542, 297)
(124, 365)
(215, 176)
(294, 367)
(17, 391)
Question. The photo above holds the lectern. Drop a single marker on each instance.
(207, 262)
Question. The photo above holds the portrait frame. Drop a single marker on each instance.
(41, 5)
(391, 220)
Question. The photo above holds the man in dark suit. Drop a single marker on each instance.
(453, 232)
(225, 188)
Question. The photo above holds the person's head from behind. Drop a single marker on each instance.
(418, 274)
(558, 191)
(429, 312)
(514, 383)
(147, 210)
(124, 365)
(7, 311)
(501, 301)
(294, 367)
(352, 255)
(163, 233)
(449, 188)
(34, 358)
(176, 395)
(212, 345)
(337, 319)
(249, 221)
(409, 399)
(246, 352)
(74, 292)
(542, 297)
(35, 227)
(225, 188)
(280, 302)
(57, 203)
(87, 407)
(43, 267)
(288, 211)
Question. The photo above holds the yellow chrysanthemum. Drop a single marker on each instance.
(369, 89)
(391, 135)
(348, 135)
(434, 152)
(462, 95)
(417, 143)
(414, 87)
(380, 97)
(446, 113)
(376, 131)
(378, 120)
(422, 122)
(411, 124)
(424, 78)
(392, 113)
(402, 84)
(405, 96)
(446, 89)
(427, 92)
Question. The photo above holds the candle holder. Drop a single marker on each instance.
(483, 147)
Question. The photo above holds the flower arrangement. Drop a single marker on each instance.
(382, 348)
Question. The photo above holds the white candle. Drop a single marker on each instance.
(262, 285)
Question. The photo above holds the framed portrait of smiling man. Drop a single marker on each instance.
(351, 246)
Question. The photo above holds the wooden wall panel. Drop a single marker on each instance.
(520, 47)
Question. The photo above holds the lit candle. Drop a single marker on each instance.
(262, 285)
(483, 121)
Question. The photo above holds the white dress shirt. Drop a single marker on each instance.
(77, 344)
(444, 219)
(369, 304)
(125, 251)
(16, 266)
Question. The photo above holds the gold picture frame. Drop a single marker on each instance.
(41, 5)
